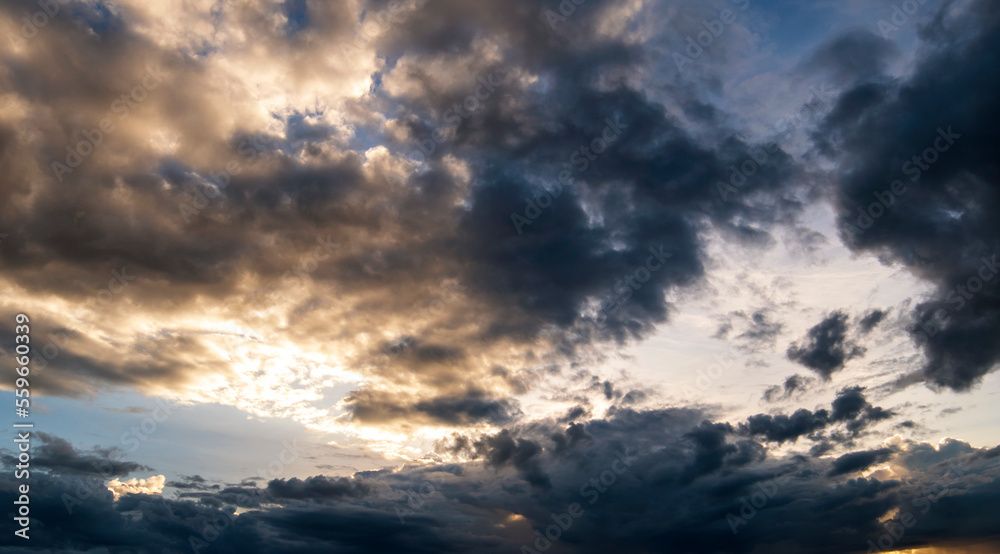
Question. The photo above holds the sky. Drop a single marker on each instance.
(366, 276)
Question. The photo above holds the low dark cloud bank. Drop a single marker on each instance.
(646, 481)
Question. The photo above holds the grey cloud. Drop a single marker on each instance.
(850, 408)
(56, 454)
(857, 461)
(871, 320)
(826, 347)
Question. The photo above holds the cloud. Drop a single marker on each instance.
(935, 224)
(852, 56)
(247, 220)
(760, 331)
(793, 384)
(58, 455)
(826, 348)
(684, 474)
(871, 320)
(192, 482)
(317, 487)
(849, 408)
(151, 485)
(309, 211)
(465, 408)
(857, 461)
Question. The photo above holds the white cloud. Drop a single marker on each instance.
(152, 485)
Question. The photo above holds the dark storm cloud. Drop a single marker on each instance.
(503, 449)
(933, 137)
(675, 482)
(574, 413)
(192, 482)
(856, 55)
(871, 320)
(467, 408)
(316, 488)
(857, 461)
(548, 274)
(849, 404)
(471, 408)
(826, 348)
(58, 455)
(781, 428)
(849, 408)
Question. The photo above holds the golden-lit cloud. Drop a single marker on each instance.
(150, 485)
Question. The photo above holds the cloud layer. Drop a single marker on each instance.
(635, 480)
(431, 223)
